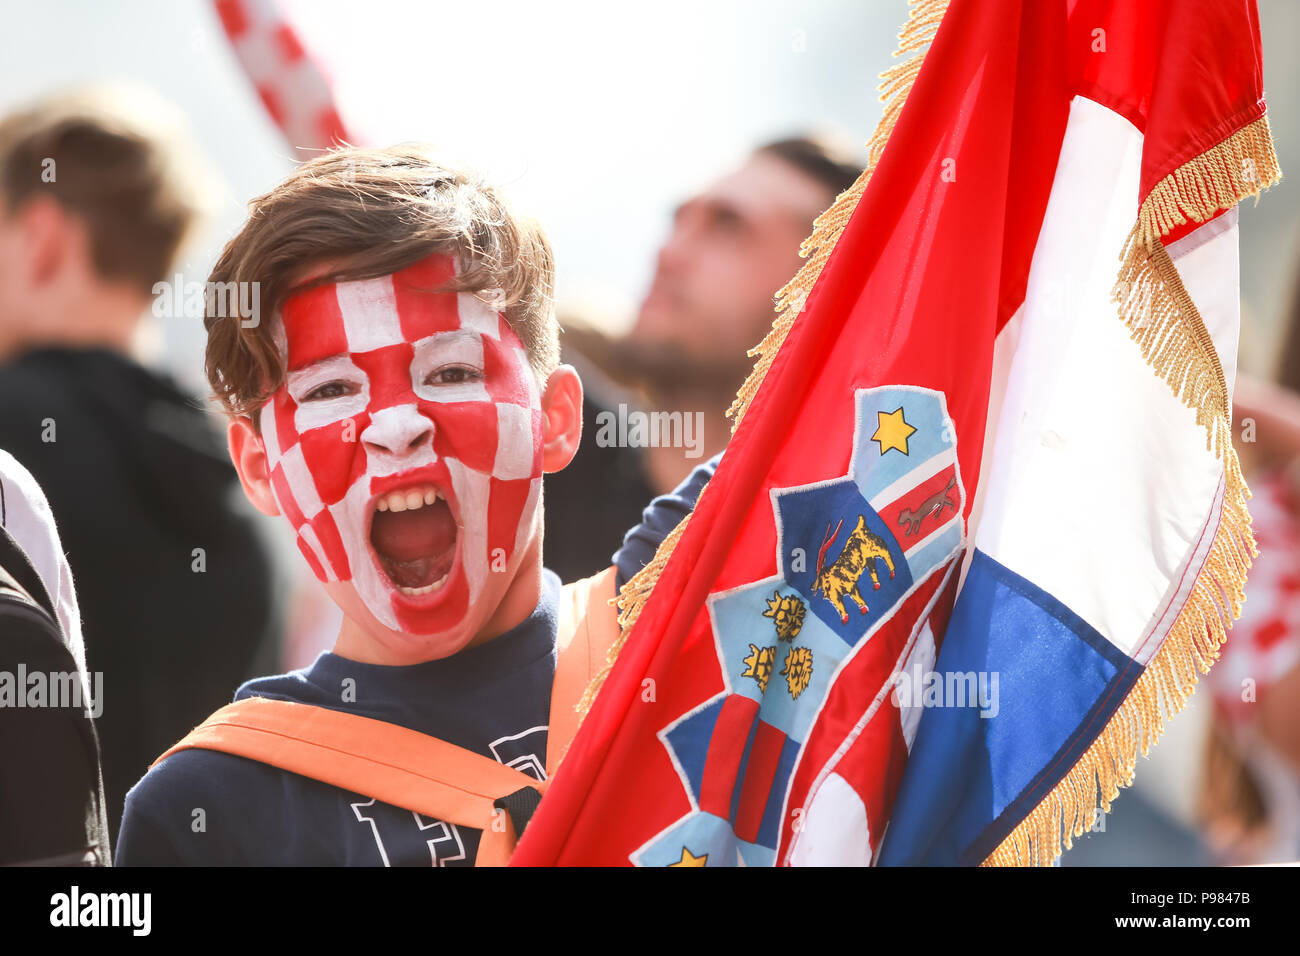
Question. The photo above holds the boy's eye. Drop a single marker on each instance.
(453, 375)
(329, 390)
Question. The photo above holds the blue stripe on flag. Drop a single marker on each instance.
(971, 779)
(690, 742)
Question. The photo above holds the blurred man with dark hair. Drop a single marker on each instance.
(96, 198)
(730, 249)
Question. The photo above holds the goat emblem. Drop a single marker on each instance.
(839, 580)
(933, 505)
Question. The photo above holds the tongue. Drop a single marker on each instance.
(415, 546)
(407, 535)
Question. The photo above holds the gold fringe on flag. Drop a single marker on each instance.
(1166, 325)
(896, 83)
(922, 24)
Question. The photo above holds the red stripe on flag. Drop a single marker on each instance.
(726, 749)
(926, 513)
(233, 18)
(873, 767)
(859, 679)
(271, 100)
(286, 41)
(330, 125)
(763, 758)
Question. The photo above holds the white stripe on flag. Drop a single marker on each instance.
(835, 830)
(927, 469)
(1100, 484)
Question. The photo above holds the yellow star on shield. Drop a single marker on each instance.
(892, 431)
(690, 859)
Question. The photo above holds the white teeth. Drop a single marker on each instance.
(408, 499)
(427, 589)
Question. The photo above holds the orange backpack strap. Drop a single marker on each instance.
(588, 629)
(408, 769)
(391, 763)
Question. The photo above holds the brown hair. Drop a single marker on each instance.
(823, 158)
(107, 160)
(363, 213)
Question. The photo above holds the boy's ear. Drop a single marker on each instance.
(561, 418)
(249, 455)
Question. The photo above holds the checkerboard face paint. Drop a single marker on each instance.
(405, 444)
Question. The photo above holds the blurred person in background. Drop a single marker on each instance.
(52, 808)
(731, 247)
(175, 583)
(1250, 794)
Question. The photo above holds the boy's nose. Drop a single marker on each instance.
(397, 431)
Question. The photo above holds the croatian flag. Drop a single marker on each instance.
(980, 523)
(290, 82)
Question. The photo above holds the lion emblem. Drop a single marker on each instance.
(839, 579)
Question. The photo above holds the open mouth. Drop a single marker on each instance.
(414, 535)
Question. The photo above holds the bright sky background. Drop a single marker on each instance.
(598, 116)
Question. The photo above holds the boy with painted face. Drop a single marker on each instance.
(406, 447)
(398, 406)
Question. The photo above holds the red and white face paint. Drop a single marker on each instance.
(405, 445)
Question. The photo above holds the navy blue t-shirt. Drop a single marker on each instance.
(212, 808)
